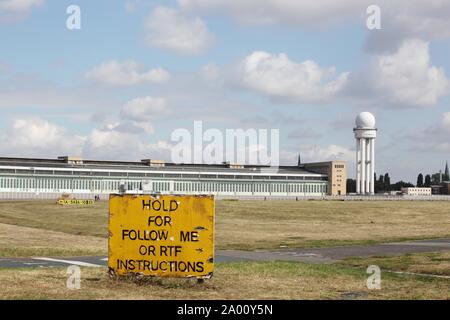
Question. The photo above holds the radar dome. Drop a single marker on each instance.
(365, 120)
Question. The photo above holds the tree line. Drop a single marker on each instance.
(382, 184)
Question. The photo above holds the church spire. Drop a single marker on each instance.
(446, 174)
(299, 161)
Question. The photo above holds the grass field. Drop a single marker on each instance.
(436, 263)
(42, 228)
(28, 226)
(250, 280)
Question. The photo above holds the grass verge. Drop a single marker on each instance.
(249, 225)
(250, 280)
(435, 263)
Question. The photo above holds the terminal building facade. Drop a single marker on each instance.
(51, 178)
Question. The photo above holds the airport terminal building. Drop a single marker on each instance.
(51, 178)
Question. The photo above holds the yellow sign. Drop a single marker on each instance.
(75, 202)
(161, 235)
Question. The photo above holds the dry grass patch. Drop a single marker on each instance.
(18, 241)
(265, 224)
(45, 214)
(254, 280)
(271, 224)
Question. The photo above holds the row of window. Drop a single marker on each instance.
(159, 175)
(163, 186)
(248, 187)
(64, 184)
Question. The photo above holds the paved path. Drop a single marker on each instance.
(319, 255)
(332, 254)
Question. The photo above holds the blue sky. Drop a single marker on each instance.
(137, 70)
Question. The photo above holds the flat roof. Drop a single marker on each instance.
(139, 165)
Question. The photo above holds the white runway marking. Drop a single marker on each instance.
(419, 274)
(32, 263)
(71, 262)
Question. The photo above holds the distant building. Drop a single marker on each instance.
(441, 182)
(336, 172)
(415, 191)
(50, 178)
(443, 188)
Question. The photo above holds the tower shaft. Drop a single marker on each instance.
(365, 134)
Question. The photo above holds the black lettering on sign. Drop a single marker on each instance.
(147, 235)
(146, 205)
(164, 265)
(190, 236)
(199, 266)
(173, 250)
(147, 250)
(173, 205)
(159, 221)
(158, 205)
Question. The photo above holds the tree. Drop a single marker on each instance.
(401, 184)
(420, 180)
(427, 181)
(387, 182)
(379, 184)
(351, 186)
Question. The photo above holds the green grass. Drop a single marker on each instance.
(433, 263)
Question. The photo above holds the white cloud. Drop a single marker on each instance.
(126, 73)
(108, 143)
(144, 108)
(210, 72)
(277, 75)
(130, 126)
(111, 144)
(406, 19)
(432, 138)
(37, 137)
(171, 30)
(439, 130)
(11, 10)
(297, 12)
(408, 78)
(19, 5)
(446, 120)
(130, 6)
(316, 153)
(401, 19)
(405, 78)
